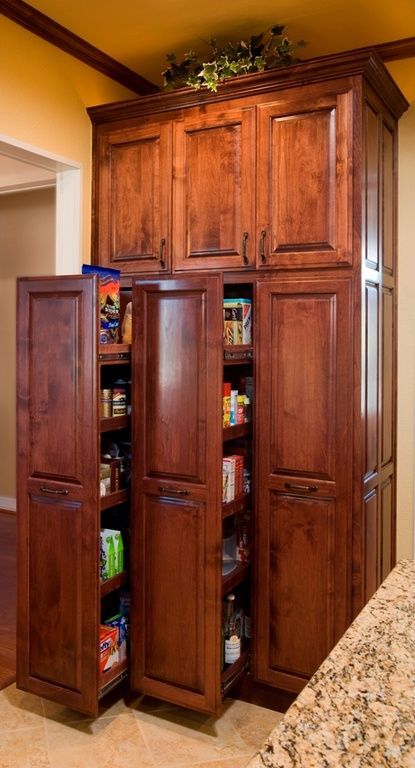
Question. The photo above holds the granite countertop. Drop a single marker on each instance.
(358, 710)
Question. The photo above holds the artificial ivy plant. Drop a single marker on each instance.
(264, 51)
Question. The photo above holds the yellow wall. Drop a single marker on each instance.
(44, 93)
(406, 335)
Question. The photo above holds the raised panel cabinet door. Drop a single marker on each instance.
(304, 181)
(303, 474)
(176, 519)
(133, 199)
(213, 191)
(57, 488)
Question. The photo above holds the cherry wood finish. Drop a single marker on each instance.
(322, 148)
(375, 527)
(57, 625)
(304, 469)
(304, 181)
(134, 193)
(176, 525)
(213, 218)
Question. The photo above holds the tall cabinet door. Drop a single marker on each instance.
(57, 491)
(176, 525)
(304, 395)
(133, 198)
(213, 197)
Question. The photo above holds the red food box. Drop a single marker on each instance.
(108, 647)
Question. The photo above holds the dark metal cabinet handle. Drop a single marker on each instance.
(161, 251)
(262, 246)
(300, 487)
(59, 491)
(244, 254)
(179, 491)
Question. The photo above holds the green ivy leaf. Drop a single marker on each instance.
(264, 51)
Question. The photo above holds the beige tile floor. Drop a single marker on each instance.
(134, 733)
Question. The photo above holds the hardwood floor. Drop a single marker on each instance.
(7, 598)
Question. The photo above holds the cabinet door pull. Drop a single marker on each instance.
(59, 491)
(244, 254)
(262, 246)
(161, 250)
(300, 487)
(179, 491)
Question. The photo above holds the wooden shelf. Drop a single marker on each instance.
(237, 430)
(237, 505)
(113, 422)
(114, 353)
(112, 499)
(110, 585)
(232, 674)
(237, 354)
(108, 679)
(235, 577)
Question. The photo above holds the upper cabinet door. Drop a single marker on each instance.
(213, 190)
(176, 521)
(304, 181)
(133, 198)
(57, 489)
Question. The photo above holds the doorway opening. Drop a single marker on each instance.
(31, 182)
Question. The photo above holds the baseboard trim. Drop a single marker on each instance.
(7, 504)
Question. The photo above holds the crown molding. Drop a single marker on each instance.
(43, 26)
(362, 61)
(397, 49)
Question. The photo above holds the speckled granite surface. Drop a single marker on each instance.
(358, 710)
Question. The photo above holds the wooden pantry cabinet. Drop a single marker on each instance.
(281, 188)
(61, 599)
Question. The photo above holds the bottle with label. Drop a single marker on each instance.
(231, 632)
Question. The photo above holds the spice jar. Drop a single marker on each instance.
(119, 401)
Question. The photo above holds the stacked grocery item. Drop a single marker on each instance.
(112, 553)
(237, 321)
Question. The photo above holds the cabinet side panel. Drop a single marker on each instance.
(371, 244)
(387, 377)
(177, 399)
(301, 599)
(173, 613)
(371, 382)
(55, 591)
(55, 387)
(388, 200)
(372, 530)
(57, 493)
(387, 548)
